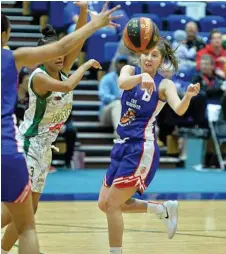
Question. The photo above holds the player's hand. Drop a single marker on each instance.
(93, 63)
(193, 89)
(104, 18)
(148, 82)
(81, 4)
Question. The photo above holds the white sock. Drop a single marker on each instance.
(156, 208)
(115, 250)
(4, 251)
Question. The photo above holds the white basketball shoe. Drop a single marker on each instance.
(170, 217)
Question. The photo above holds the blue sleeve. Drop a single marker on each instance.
(105, 90)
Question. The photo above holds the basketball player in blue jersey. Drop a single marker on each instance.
(15, 184)
(135, 156)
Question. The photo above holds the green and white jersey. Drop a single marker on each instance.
(45, 115)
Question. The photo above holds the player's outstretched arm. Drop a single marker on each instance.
(43, 83)
(82, 20)
(127, 80)
(31, 56)
(178, 105)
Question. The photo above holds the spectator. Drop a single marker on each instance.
(123, 50)
(186, 56)
(216, 50)
(110, 94)
(69, 133)
(193, 41)
(211, 83)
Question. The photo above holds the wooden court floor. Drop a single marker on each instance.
(80, 228)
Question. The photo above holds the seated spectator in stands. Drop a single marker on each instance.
(193, 40)
(216, 50)
(110, 95)
(123, 50)
(185, 55)
(211, 83)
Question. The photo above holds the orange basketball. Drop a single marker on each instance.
(140, 34)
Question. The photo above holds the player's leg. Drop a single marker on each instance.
(116, 198)
(149, 154)
(5, 216)
(23, 219)
(16, 196)
(11, 236)
(132, 205)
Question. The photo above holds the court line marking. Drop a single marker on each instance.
(126, 230)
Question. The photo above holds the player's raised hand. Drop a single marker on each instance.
(93, 63)
(148, 82)
(193, 89)
(104, 18)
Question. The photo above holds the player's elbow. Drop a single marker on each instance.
(67, 87)
(179, 112)
(122, 82)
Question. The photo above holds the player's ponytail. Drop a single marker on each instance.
(5, 23)
(49, 36)
(168, 53)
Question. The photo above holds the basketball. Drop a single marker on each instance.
(140, 34)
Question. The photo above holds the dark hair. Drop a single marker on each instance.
(49, 36)
(214, 31)
(5, 23)
(168, 53)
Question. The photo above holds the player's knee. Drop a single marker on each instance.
(102, 205)
(111, 205)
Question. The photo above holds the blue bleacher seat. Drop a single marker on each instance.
(222, 29)
(122, 20)
(177, 22)
(70, 10)
(39, 6)
(167, 35)
(95, 44)
(217, 8)
(185, 74)
(56, 15)
(110, 49)
(130, 7)
(204, 36)
(154, 17)
(210, 22)
(95, 5)
(162, 9)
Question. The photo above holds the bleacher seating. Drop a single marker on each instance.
(163, 9)
(39, 7)
(177, 22)
(210, 22)
(122, 21)
(130, 7)
(109, 50)
(217, 8)
(97, 41)
(56, 15)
